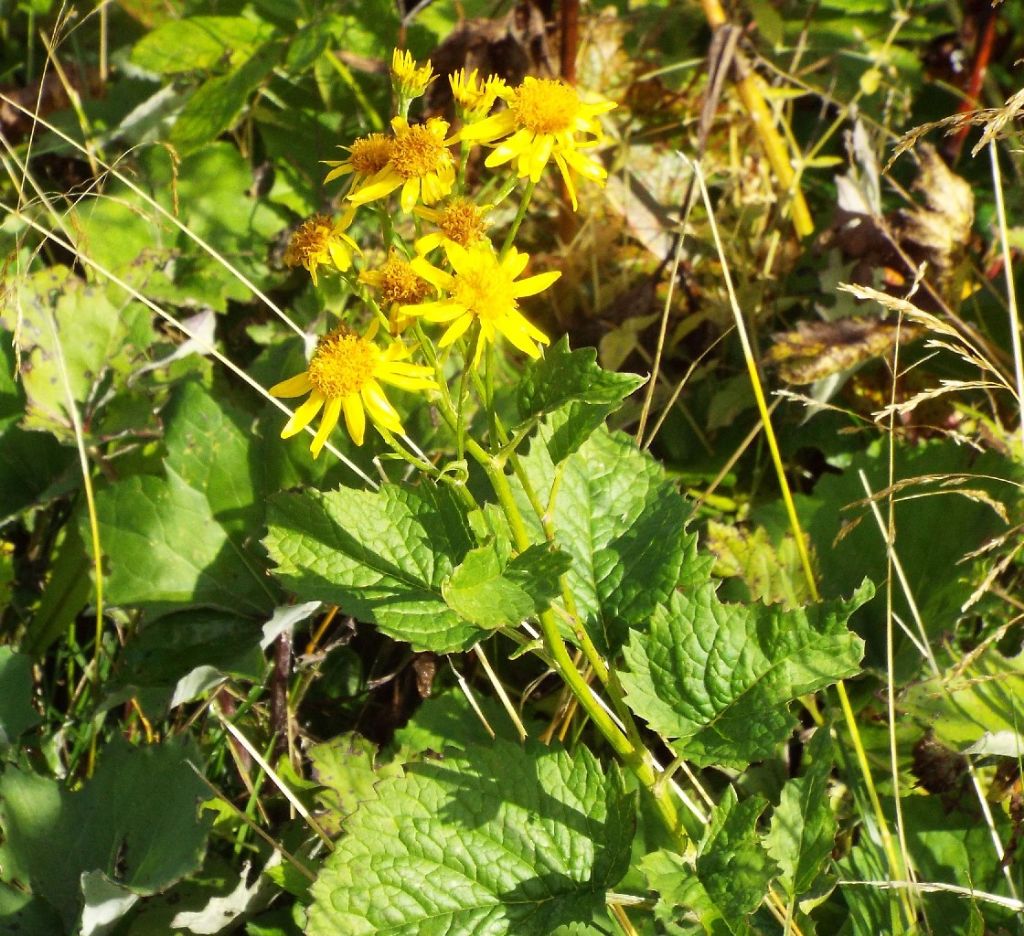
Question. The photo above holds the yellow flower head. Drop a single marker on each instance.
(474, 97)
(408, 80)
(482, 288)
(460, 222)
(344, 377)
(398, 284)
(544, 116)
(367, 156)
(322, 242)
(420, 163)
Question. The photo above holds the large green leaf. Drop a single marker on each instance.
(216, 105)
(210, 445)
(964, 704)
(173, 658)
(166, 550)
(501, 840)
(717, 679)
(16, 712)
(30, 464)
(729, 877)
(135, 822)
(382, 556)
(622, 523)
(199, 42)
(571, 381)
(347, 769)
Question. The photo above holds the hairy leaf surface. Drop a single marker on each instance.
(717, 679)
(501, 840)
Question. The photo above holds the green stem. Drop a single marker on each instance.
(633, 754)
(520, 214)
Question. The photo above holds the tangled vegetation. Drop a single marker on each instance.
(489, 468)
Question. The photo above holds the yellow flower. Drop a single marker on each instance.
(544, 116)
(321, 242)
(474, 97)
(367, 156)
(398, 284)
(344, 377)
(483, 289)
(420, 163)
(460, 221)
(408, 80)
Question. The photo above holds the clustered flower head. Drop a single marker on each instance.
(452, 275)
(474, 97)
(459, 221)
(419, 163)
(322, 242)
(367, 156)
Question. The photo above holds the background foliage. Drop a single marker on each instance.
(295, 702)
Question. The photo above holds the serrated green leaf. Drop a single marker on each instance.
(772, 573)
(571, 381)
(803, 828)
(381, 556)
(199, 42)
(501, 840)
(491, 593)
(216, 105)
(348, 770)
(135, 821)
(622, 524)
(209, 446)
(166, 549)
(16, 712)
(718, 679)
(729, 877)
(731, 864)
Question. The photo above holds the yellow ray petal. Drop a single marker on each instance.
(455, 331)
(303, 416)
(378, 186)
(355, 417)
(298, 385)
(534, 284)
(327, 423)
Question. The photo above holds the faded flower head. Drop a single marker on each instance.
(460, 221)
(322, 242)
(420, 164)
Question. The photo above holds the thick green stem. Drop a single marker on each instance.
(633, 753)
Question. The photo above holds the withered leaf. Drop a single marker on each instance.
(814, 350)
